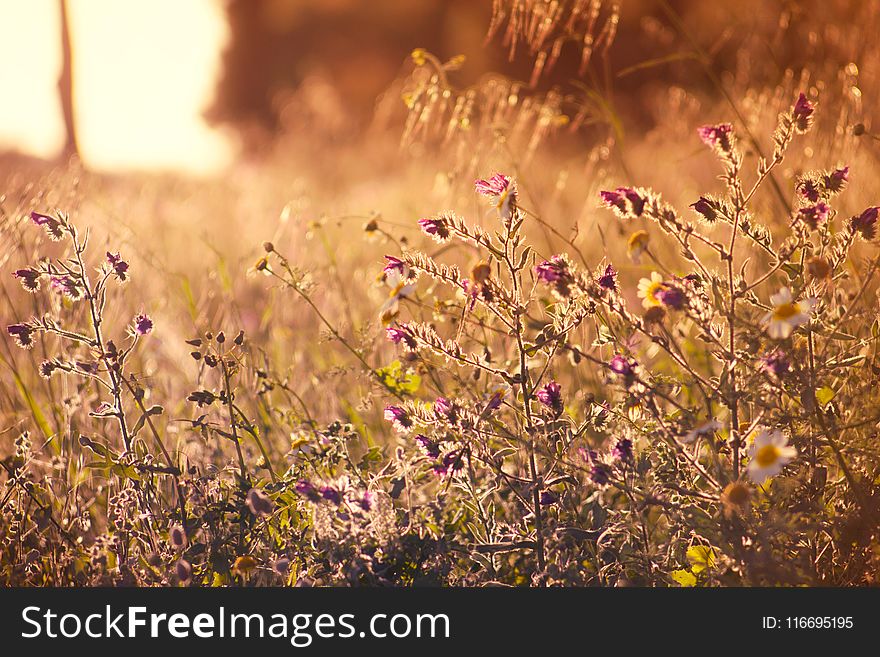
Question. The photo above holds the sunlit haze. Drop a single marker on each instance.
(143, 74)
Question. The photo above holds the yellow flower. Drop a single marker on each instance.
(649, 288)
(244, 565)
(419, 56)
(637, 245)
(787, 314)
(768, 455)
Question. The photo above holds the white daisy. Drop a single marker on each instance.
(649, 289)
(787, 314)
(401, 287)
(768, 454)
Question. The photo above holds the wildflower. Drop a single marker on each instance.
(29, 278)
(120, 266)
(47, 368)
(244, 565)
(556, 272)
(706, 209)
(445, 409)
(548, 497)
(627, 202)
(436, 227)
(398, 279)
(637, 244)
(259, 503)
(331, 494)
(67, 286)
(431, 448)
(703, 431)
(183, 570)
(786, 315)
(366, 501)
(650, 289)
(142, 324)
(776, 363)
(622, 366)
(493, 404)
(307, 490)
(623, 450)
(600, 473)
(52, 225)
(551, 397)
(22, 334)
(768, 454)
(837, 180)
(819, 267)
(450, 463)
(866, 223)
(400, 334)
(398, 417)
(395, 266)
(672, 297)
(177, 537)
(501, 190)
(809, 189)
(735, 498)
(814, 216)
(608, 279)
(717, 137)
(803, 114)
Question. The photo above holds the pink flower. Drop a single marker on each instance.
(627, 202)
(22, 334)
(143, 324)
(803, 113)
(29, 278)
(120, 266)
(52, 225)
(501, 190)
(551, 397)
(814, 216)
(717, 137)
(435, 227)
(866, 223)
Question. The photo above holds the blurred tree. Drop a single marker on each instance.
(65, 85)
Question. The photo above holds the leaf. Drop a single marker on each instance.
(701, 557)
(399, 381)
(683, 577)
(824, 395)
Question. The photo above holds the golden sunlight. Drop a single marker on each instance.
(143, 73)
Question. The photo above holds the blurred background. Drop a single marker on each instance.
(192, 85)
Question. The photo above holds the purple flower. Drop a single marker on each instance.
(717, 137)
(431, 448)
(622, 366)
(307, 490)
(625, 201)
(814, 215)
(67, 286)
(671, 296)
(803, 113)
(548, 497)
(142, 324)
(435, 227)
(331, 494)
(398, 417)
(553, 270)
(776, 363)
(551, 397)
(706, 208)
(836, 180)
(608, 279)
(496, 186)
(600, 473)
(366, 500)
(259, 503)
(494, 402)
(29, 278)
(623, 450)
(452, 462)
(401, 334)
(23, 335)
(120, 266)
(445, 409)
(47, 368)
(51, 224)
(809, 190)
(866, 223)
(394, 266)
